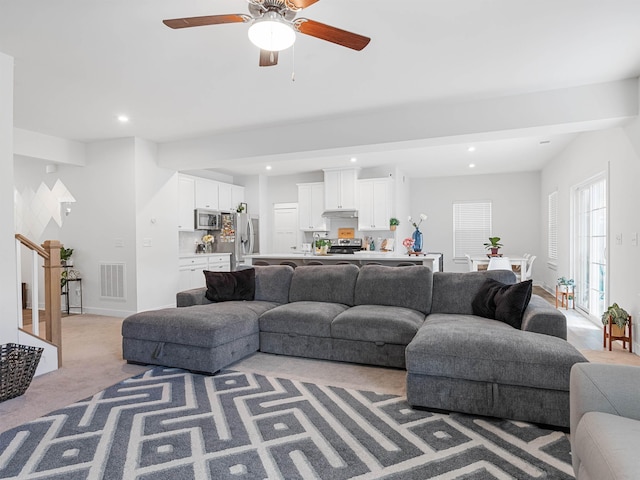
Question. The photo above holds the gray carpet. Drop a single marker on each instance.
(168, 424)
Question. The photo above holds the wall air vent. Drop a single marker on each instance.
(112, 281)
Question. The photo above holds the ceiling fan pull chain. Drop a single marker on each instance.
(293, 63)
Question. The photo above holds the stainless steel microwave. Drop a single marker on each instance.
(207, 219)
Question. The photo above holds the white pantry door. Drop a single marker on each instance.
(285, 227)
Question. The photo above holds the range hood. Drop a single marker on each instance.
(340, 213)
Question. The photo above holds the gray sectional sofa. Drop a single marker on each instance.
(403, 317)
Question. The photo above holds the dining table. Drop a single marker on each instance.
(514, 260)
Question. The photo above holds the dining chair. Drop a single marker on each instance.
(527, 274)
(499, 263)
(469, 262)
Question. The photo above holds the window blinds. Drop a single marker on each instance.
(471, 228)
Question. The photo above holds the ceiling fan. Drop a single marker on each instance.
(273, 27)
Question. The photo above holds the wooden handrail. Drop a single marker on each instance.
(32, 246)
(50, 252)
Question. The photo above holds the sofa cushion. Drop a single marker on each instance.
(324, 283)
(273, 283)
(503, 302)
(453, 292)
(302, 318)
(228, 286)
(395, 287)
(379, 324)
(199, 325)
(476, 348)
(606, 446)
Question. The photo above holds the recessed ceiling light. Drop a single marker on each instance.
(268, 167)
(471, 149)
(123, 118)
(472, 165)
(354, 159)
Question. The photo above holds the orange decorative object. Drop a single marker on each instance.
(613, 332)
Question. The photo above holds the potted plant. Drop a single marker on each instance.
(564, 283)
(393, 223)
(619, 319)
(494, 245)
(65, 256)
(322, 246)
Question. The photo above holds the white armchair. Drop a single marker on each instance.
(605, 421)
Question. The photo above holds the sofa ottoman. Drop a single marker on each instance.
(204, 336)
(480, 366)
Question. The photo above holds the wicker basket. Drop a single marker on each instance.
(18, 364)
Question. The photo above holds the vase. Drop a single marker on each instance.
(208, 248)
(417, 240)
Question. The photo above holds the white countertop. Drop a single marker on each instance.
(204, 255)
(363, 255)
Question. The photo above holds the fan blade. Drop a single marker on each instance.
(268, 59)
(331, 34)
(206, 20)
(300, 4)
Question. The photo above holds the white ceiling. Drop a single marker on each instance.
(80, 63)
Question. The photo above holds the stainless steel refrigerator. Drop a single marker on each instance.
(238, 235)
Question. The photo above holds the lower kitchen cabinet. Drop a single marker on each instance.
(190, 269)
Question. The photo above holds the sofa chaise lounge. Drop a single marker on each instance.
(402, 317)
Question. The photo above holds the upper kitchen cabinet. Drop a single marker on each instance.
(311, 206)
(237, 196)
(207, 194)
(186, 203)
(340, 188)
(374, 204)
(225, 200)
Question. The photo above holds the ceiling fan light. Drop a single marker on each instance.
(271, 33)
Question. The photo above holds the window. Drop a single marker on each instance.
(552, 231)
(471, 228)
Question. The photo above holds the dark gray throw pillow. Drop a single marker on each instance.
(503, 302)
(226, 286)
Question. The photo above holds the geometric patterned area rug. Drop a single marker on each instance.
(169, 424)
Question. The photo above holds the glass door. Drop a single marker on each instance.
(590, 245)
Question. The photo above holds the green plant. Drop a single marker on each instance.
(394, 222)
(566, 282)
(63, 278)
(494, 242)
(322, 242)
(617, 314)
(65, 253)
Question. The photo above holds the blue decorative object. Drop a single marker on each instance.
(417, 241)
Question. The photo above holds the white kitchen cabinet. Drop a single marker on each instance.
(225, 202)
(219, 263)
(186, 203)
(206, 194)
(311, 206)
(374, 204)
(237, 196)
(340, 188)
(190, 272)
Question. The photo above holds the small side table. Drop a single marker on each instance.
(66, 291)
(612, 332)
(563, 296)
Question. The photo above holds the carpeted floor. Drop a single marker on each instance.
(171, 424)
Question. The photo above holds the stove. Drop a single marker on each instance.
(345, 245)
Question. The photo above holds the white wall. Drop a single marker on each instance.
(123, 202)
(156, 266)
(618, 151)
(8, 287)
(515, 211)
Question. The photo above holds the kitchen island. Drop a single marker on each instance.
(392, 259)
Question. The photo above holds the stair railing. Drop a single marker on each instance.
(49, 251)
